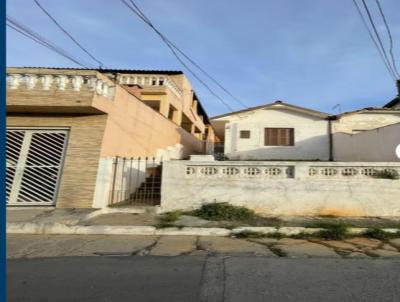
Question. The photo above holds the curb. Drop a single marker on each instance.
(57, 228)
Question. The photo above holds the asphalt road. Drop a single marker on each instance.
(202, 278)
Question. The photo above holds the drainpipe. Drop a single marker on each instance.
(330, 138)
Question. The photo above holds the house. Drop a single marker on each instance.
(63, 124)
(281, 131)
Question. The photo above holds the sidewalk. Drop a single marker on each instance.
(145, 221)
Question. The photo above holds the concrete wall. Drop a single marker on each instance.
(372, 145)
(311, 136)
(282, 188)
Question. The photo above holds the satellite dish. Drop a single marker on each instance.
(398, 151)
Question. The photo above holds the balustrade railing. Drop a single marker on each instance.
(58, 82)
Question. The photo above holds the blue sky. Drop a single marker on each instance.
(312, 53)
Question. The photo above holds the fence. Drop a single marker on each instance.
(124, 181)
(284, 188)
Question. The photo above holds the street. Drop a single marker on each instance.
(203, 278)
(207, 269)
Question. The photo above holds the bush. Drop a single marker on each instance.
(223, 211)
(332, 231)
(386, 174)
(380, 234)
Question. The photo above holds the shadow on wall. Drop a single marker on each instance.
(315, 148)
(377, 145)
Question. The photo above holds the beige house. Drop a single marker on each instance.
(281, 131)
(61, 124)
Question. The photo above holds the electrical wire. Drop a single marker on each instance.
(394, 65)
(175, 50)
(34, 36)
(378, 37)
(68, 34)
(373, 39)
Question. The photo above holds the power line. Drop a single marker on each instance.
(394, 65)
(175, 50)
(373, 40)
(147, 20)
(378, 36)
(34, 36)
(68, 34)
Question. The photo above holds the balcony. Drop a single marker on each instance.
(38, 91)
(151, 83)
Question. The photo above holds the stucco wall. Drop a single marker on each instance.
(351, 123)
(135, 129)
(311, 188)
(311, 136)
(373, 145)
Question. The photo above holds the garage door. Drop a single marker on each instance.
(34, 160)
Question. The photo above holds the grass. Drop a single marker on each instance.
(250, 234)
(331, 230)
(376, 233)
(167, 219)
(223, 211)
(386, 174)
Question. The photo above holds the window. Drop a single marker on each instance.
(245, 134)
(279, 136)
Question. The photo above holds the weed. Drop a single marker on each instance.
(380, 234)
(223, 211)
(171, 216)
(163, 225)
(331, 231)
(250, 234)
(167, 220)
(277, 251)
(386, 174)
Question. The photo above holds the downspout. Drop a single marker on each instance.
(330, 118)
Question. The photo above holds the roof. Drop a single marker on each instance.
(278, 105)
(106, 70)
(368, 110)
(393, 102)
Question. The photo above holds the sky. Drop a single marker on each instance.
(311, 53)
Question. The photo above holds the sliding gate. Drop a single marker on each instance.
(34, 160)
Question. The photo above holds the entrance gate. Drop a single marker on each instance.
(34, 160)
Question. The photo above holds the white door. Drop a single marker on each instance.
(34, 160)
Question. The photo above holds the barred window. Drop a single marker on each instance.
(279, 136)
(245, 134)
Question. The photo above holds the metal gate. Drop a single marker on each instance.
(34, 159)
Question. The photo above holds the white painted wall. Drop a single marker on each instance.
(352, 123)
(372, 145)
(311, 136)
(186, 185)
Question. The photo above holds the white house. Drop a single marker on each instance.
(281, 131)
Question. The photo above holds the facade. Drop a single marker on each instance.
(62, 123)
(280, 131)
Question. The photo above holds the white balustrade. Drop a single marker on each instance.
(58, 81)
(240, 171)
(150, 81)
(288, 171)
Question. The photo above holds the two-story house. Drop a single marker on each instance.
(62, 123)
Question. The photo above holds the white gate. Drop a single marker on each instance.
(34, 160)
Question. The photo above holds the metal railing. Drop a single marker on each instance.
(136, 181)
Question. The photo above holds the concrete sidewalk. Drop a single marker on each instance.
(42, 246)
(145, 221)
